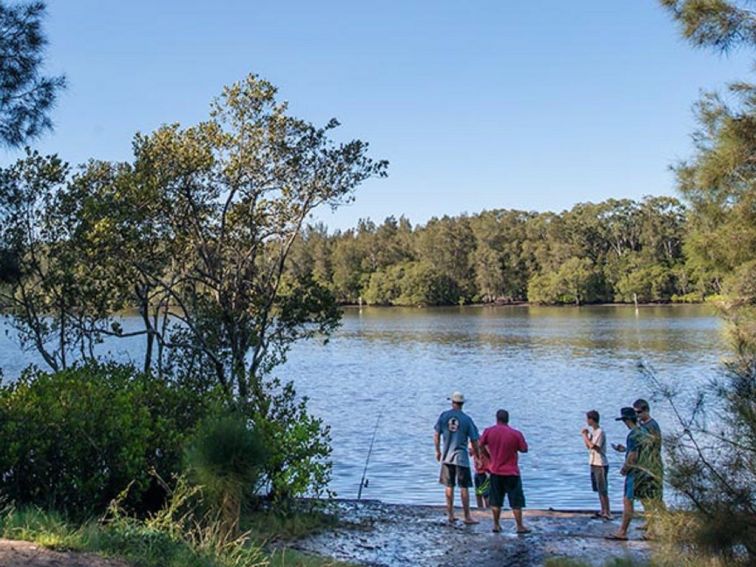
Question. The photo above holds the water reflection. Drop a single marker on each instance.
(546, 365)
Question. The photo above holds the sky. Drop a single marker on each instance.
(533, 105)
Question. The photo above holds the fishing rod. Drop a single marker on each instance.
(363, 482)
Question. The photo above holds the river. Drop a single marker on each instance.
(396, 367)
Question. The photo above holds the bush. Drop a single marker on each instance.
(74, 440)
(649, 284)
(226, 458)
(299, 446)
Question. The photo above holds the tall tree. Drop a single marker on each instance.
(26, 95)
(719, 182)
(718, 24)
(713, 455)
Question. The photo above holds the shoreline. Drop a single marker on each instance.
(351, 306)
(370, 532)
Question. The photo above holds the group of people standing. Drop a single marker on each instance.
(497, 473)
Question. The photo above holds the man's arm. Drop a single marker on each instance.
(476, 449)
(632, 458)
(595, 442)
(437, 443)
(523, 448)
(587, 439)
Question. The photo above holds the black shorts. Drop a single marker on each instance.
(454, 475)
(509, 485)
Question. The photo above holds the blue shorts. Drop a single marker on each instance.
(629, 491)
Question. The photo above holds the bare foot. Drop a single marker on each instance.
(524, 530)
(451, 519)
(496, 529)
(470, 521)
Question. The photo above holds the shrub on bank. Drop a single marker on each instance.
(298, 447)
(226, 459)
(75, 439)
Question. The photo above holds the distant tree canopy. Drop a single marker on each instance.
(617, 250)
(26, 95)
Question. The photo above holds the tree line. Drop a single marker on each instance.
(619, 250)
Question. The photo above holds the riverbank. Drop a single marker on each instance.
(379, 534)
(362, 533)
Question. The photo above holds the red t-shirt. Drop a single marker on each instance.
(481, 462)
(503, 444)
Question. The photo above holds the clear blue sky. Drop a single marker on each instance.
(477, 105)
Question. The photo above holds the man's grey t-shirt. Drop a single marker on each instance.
(456, 429)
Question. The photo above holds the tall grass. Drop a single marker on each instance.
(177, 536)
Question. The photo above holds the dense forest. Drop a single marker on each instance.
(613, 251)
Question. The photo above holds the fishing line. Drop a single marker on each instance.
(370, 452)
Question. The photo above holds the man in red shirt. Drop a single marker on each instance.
(502, 444)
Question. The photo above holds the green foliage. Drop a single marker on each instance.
(591, 253)
(720, 24)
(77, 438)
(46, 528)
(160, 541)
(576, 281)
(651, 284)
(424, 284)
(26, 97)
(720, 183)
(713, 456)
(412, 284)
(226, 458)
(175, 537)
(195, 233)
(298, 445)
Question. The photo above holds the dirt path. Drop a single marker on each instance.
(15, 553)
(374, 533)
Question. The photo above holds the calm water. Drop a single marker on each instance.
(547, 366)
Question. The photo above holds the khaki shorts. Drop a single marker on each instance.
(599, 479)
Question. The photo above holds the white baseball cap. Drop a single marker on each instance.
(458, 398)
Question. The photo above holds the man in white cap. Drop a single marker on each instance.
(457, 430)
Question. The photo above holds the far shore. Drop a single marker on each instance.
(521, 304)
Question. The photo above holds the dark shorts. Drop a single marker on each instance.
(454, 475)
(482, 485)
(509, 485)
(600, 479)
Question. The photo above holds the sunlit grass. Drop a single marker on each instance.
(163, 542)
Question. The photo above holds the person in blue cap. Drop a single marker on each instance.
(629, 470)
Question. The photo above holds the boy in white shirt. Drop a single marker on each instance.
(595, 442)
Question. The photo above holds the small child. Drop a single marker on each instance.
(481, 480)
